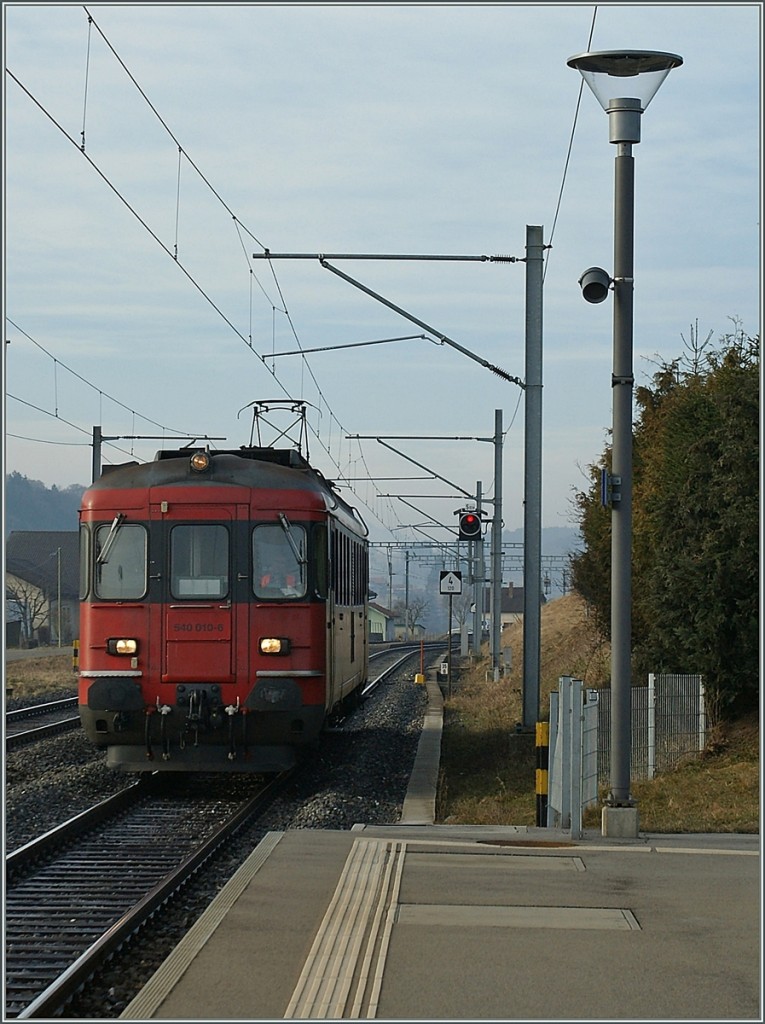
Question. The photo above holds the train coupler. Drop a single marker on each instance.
(164, 711)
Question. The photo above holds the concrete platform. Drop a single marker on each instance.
(437, 922)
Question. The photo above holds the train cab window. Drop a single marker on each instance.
(199, 561)
(120, 561)
(279, 561)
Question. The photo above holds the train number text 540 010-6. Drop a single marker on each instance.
(198, 627)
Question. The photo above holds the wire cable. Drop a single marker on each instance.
(239, 227)
(89, 384)
(570, 148)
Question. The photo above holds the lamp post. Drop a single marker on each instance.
(624, 83)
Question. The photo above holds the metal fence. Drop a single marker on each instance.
(573, 749)
(668, 723)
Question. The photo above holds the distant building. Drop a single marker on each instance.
(415, 631)
(42, 586)
(380, 623)
(512, 605)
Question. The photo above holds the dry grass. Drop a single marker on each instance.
(716, 792)
(487, 769)
(37, 677)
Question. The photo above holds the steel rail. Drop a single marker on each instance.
(55, 996)
(59, 838)
(20, 714)
(40, 732)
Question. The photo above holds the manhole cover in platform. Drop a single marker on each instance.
(545, 843)
(460, 916)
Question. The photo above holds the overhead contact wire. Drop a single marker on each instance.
(569, 151)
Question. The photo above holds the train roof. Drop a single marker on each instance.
(290, 457)
(260, 468)
(251, 467)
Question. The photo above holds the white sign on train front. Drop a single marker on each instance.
(451, 583)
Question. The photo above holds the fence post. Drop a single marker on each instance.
(576, 717)
(564, 739)
(542, 772)
(553, 776)
(651, 712)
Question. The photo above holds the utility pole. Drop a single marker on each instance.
(98, 437)
(496, 548)
(532, 507)
(406, 598)
(58, 602)
(478, 573)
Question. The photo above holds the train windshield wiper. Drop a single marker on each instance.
(300, 558)
(103, 554)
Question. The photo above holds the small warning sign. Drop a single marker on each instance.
(451, 582)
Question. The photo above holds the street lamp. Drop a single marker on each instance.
(624, 83)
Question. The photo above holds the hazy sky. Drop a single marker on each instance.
(212, 132)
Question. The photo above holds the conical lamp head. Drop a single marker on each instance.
(618, 74)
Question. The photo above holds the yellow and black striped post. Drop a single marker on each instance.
(543, 753)
(75, 655)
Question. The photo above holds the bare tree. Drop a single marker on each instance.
(462, 606)
(30, 602)
(409, 616)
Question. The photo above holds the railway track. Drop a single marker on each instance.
(384, 663)
(78, 893)
(81, 891)
(38, 721)
(390, 659)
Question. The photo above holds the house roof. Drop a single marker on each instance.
(512, 600)
(32, 555)
(383, 611)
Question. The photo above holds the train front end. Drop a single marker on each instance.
(204, 619)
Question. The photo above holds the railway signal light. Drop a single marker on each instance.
(470, 526)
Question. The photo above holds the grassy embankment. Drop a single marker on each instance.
(37, 677)
(487, 770)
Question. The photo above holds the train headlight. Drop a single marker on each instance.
(200, 461)
(121, 645)
(274, 645)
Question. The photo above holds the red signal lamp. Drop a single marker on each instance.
(470, 526)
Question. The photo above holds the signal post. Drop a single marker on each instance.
(451, 584)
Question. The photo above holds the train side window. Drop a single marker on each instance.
(199, 561)
(120, 569)
(84, 562)
(279, 561)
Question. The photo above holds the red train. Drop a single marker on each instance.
(223, 610)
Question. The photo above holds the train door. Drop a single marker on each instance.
(334, 618)
(200, 637)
